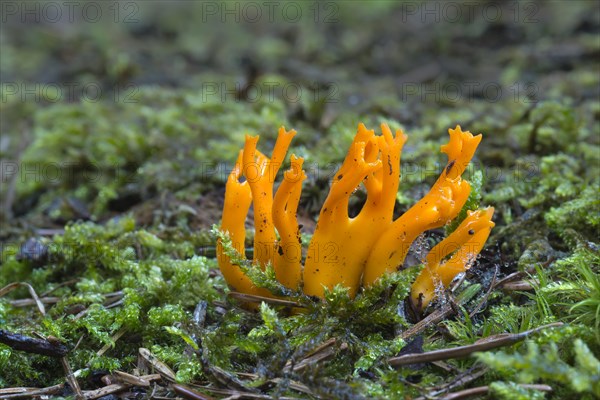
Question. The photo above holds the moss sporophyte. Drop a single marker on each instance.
(350, 251)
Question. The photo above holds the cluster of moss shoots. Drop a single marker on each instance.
(350, 251)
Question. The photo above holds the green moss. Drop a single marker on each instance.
(152, 292)
(582, 213)
(512, 391)
(545, 362)
(133, 149)
(574, 291)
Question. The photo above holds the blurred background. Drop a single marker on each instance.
(108, 104)
(373, 46)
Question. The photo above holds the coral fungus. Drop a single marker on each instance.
(350, 251)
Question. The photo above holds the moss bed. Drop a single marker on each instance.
(109, 202)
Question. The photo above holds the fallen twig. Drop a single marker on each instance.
(112, 300)
(117, 387)
(190, 393)
(320, 353)
(236, 394)
(63, 284)
(162, 368)
(12, 286)
(431, 319)
(520, 285)
(461, 380)
(19, 392)
(230, 380)
(488, 343)
(114, 338)
(509, 278)
(257, 299)
(71, 378)
(31, 302)
(124, 377)
(33, 345)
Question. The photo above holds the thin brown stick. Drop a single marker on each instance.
(257, 299)
(32, 302)
(461, 380)
(106, 390)
(230, 380)
(520, 285)
(297, 386)
(124, 377)
(445, 366)
(16, 393)
(63, 284)
(509, 278)
(115, 388)
(71, 378)
(431, 319)
(236, 394)
(114, 338)
(12, 286)
(489, 343)
(323, 346)
(78, 342)
(110, 300)
(190, 393)
(162, 368)
(322, 352)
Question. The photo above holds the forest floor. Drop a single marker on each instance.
(118, 133)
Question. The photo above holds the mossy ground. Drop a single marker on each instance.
(108, 204)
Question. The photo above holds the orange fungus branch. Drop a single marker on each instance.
(351, 251)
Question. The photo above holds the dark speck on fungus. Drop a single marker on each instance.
(449, 166)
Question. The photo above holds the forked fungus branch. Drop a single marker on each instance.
(351, 251)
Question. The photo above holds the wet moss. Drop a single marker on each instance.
(119, 194)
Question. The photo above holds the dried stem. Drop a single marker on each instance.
(488, 343)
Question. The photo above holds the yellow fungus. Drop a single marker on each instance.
(350, 251)
(463, 244)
